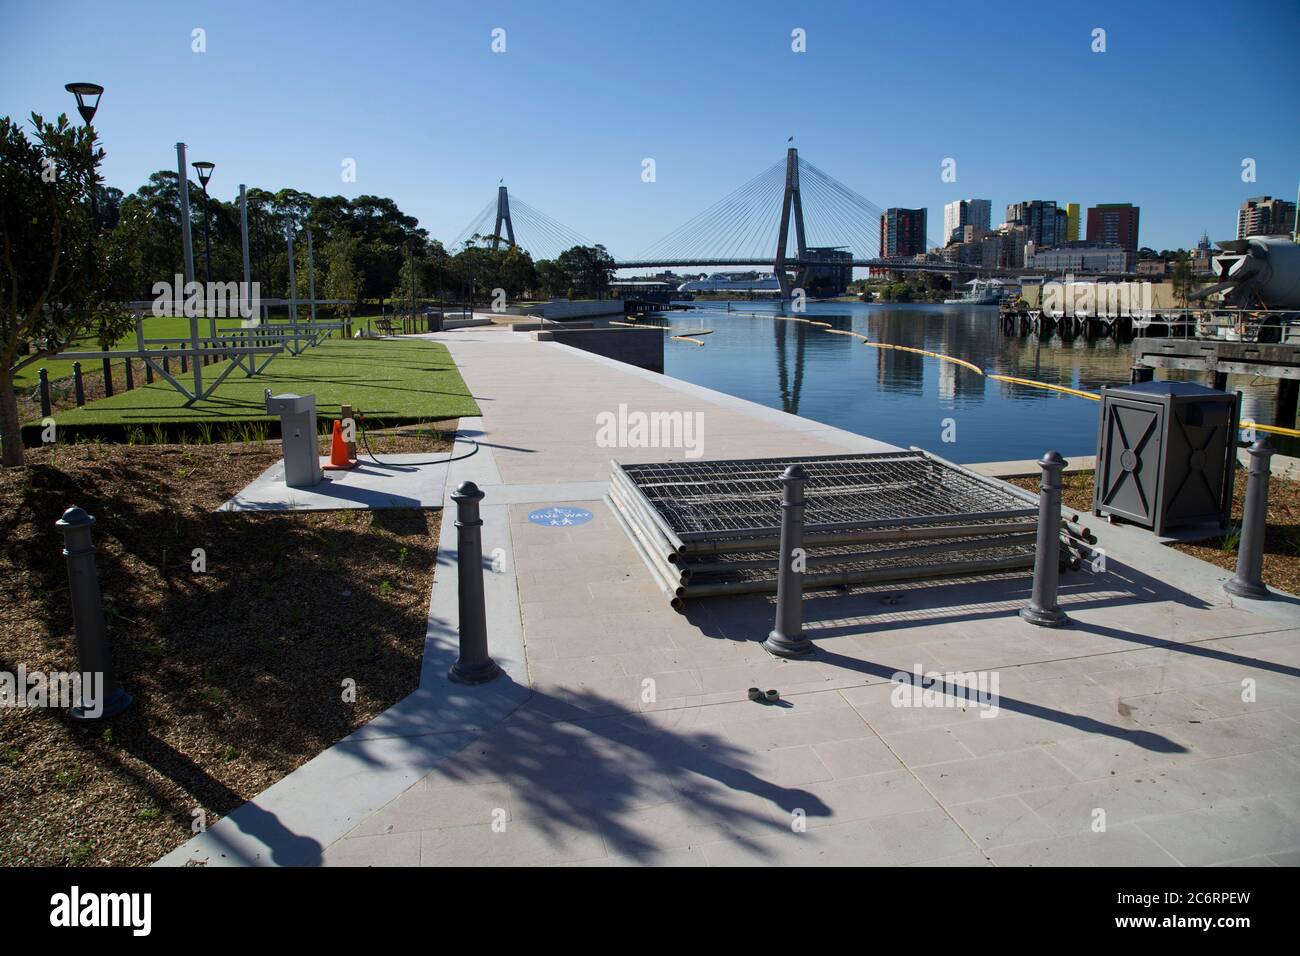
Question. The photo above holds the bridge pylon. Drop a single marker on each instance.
(791, 201)
(503, 216)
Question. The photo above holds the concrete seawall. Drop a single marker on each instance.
(643, 348)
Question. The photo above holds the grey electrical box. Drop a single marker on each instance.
(302, 467)
(1165, 454)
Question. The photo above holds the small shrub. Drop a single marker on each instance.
(79, 853)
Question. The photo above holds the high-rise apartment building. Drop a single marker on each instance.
(1038, 216)
(966, 212)
(1265, 216)
(902, 233)
(1115, 223)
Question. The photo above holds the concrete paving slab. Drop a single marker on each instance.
(624, 736)
(400, 482)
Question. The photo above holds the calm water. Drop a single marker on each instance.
(904, 398)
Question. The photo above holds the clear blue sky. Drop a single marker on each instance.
(585, 91)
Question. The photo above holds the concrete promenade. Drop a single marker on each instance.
(1162, 728)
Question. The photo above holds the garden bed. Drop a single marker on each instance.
(1281, 543)
(238, 673)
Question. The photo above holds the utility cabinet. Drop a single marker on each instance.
(1165, 454)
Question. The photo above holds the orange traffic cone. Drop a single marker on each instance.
(339, 460)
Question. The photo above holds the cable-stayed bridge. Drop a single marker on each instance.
(516, 223)
(791, 217)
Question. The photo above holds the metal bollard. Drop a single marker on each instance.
(473, 666)
(183, 364)
(1042, 609)
(93, 656)
(148, 372)
(166, 369)
(130, 375)
(77, 387)
(1248, 581)
(44, 377)
(108, 378)
(786, 639)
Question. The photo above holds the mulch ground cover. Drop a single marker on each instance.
(239, 672)
(1281, 543)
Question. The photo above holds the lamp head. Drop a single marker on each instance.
(87, 95)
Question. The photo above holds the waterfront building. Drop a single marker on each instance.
(966, 212)
(1266, 216)
(1081, 257)
(1114, 222)
(902, 233)
(832, 272)
(1038, 216)
(980, 249)
(1012, 240)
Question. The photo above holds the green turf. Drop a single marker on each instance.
(165, 327)
(388, 380)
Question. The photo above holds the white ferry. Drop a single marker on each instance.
(733, 282)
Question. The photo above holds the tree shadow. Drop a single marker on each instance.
(582, 763)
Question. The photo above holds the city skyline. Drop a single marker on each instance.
(582, 96)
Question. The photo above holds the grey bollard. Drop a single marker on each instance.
(78, 388)
(93, 656)
(473, 665)
(1042, 609)
(44, 377)
(1248, 581)
(787, 639)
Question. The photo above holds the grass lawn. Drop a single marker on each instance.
(388, 381)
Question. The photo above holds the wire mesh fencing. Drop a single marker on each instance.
(713, 527)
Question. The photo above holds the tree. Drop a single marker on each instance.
(518, 275)
(343, 278)
(56, 279)
(588, 268)
(551, 278)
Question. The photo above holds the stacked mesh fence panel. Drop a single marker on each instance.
(709, 528)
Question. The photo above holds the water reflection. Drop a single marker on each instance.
(906, 398)
(789, 392)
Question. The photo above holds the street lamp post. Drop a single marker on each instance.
(88, 95)
(204, 171)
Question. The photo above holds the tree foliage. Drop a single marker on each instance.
(58, 276)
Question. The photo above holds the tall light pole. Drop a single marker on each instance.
(204, 171)
(88, 95)
(410, 254)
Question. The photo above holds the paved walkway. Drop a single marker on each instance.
(1163, 728)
